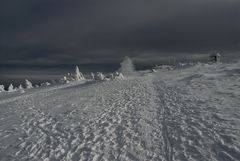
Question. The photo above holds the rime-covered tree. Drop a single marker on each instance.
(111, 76)
(11, 88)
(92, 76)
(78, 75)
(127, 67)
(20, 87)
(28, 84)
(2, 88)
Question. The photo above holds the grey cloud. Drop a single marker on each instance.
(47, 33)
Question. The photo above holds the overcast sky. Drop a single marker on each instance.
(43, 36)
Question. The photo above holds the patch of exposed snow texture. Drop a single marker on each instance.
(189, 113)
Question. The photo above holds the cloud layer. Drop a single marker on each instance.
(45, 33)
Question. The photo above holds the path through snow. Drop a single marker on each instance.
(161, 116)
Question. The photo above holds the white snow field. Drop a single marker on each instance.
(189, 113)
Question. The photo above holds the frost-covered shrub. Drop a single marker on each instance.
(78, 75)
(111, 76)
(11, 88)
(2, 88)
(154, 70)
(20, 88)
(65, 79)
(45, 84)
(100, 76)
(127, 67)
(28, 84)
(119, 76)
(92, 76)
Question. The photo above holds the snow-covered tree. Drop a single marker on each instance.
(45, 84)
(11, 88)
(111, 76)
(78, 75)
(2, 88)
(92, 76)
(127, 67)
(28, 84)
(100, 76)
(20, 87)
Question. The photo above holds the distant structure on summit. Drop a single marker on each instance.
(215, 57)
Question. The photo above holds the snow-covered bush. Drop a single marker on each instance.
(20, 87)
(119, 76)
(65, 79)
(45, 84)
(154, 70)
(127, 67)
(78, 75)
(163, 67)
(28, 84)
(92, 76)
(2, 88)
(100, 76)
(11, 88)
(112, 76)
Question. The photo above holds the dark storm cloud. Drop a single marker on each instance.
(44, 33)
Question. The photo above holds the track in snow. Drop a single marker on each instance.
(144, 118)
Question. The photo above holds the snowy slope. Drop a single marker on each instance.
(190, 113)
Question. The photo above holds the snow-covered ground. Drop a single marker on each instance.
(189, 113)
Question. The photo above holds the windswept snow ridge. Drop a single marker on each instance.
(183, 114)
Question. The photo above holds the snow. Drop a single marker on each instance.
(78, 75)
(11, 88)
(189, 113)
(127, 68)
(100, 76)
(2, 88)
(28, 84)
